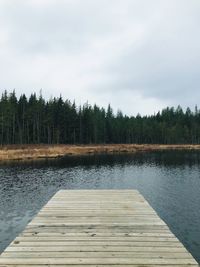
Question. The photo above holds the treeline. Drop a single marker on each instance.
(34, 120)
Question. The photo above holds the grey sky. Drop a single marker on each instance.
(140, 56)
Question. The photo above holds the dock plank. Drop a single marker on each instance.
(98, 228)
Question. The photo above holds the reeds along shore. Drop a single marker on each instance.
(26, 152)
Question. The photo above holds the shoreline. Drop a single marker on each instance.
(32, 152)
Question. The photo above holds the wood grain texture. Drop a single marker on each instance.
(98, 228)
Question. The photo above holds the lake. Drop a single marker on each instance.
(169, 180)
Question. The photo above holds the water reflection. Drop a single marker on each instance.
(170, 181)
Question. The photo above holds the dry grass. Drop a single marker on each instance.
(25, 152)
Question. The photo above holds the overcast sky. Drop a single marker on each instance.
(137, 55)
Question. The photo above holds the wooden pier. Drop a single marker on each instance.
(100, 228)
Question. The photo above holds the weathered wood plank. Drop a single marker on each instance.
(77, 254)
(94, 238)
(96, 243)
(109, 248)
(103, 235)
(101, 260)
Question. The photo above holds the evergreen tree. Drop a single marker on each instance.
(58, 121)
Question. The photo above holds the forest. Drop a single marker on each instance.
(34, 120)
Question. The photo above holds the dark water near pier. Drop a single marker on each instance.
(170, 181)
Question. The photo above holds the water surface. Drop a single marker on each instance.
(170, 181)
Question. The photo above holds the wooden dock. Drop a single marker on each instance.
(96, 228)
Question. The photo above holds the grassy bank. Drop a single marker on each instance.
(25, 152)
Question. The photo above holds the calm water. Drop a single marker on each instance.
(170, 181)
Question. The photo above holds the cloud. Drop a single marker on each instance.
(137, 55)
